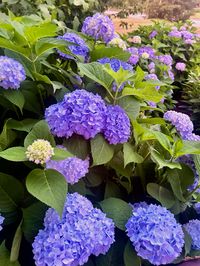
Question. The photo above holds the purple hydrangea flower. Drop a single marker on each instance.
(153, 34)
(12, 73)
(1, 222)
(115, 64)
(186, 34)
(100, 27)
(180, 66)
(181, 121)
(80, 112)
(192, 137)
(165, 59)
(147, 50)
(73, 169)
(155, 234)
(117, 125)
(175, 34)
(80, 48)
(189, 41)
(82, 231)
(197, 207)
(171, 75)
(193, 229)
(151, 67)
(134, 58)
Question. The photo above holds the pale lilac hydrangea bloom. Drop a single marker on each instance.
(100, 27)
(79, 48)
(180, 66)
(134, 58)
(193, 229)
(117, 125)
(186, 34)
(80, 112)
(151, 67)
(12, 73)
(165, 59)
(175, 34)
(155, 234)
(70, 240)
(72, 168)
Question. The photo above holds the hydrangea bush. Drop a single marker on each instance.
(96, 167)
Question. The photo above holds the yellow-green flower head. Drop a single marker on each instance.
(118, 42)
(145, 55)
(40, 151)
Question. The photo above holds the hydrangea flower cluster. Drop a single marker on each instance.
(1, 222)
(115, 64)
(193, 229)
(80, 112)
(40, 151)
(183, 34)
(197, 207)
(134, 58)
(117, 125)
(153, 34)
(73, 169)
(151, 67)
(165, 59)
(12, 73)
(80, 48)
(100, 27)
(82, 231)
(155, 234)
(180, 66)
(181, 121)
(118, 42)
(146, 50)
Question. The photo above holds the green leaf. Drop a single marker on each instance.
(14, 254)
(11, 193)
(102, 152)
(163, 140)
(14, 154)
(118, 210)
(197, 163)
(48, 186)
(130, 155)
(7, 136)
(23, 125)
(112, 190)
(162, 162)
(139, 75)
(120, 76)
(130, 256)
(161, 194)
(110, 52)
(60, 154)
(131, 106)
(78, 146)
(187, 147)
(15, 97)
(39, 131)
(96, 72)
(188, 242)
(33, 218)
(5, 257)
(15, 48)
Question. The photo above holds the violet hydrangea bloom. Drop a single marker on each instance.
(181, 121)
(115, 64)
(186, 34)
(153, 34)
(193, 229)
(117, 125)
(175, 34)
(1, 222)
(134, 58)
(12, 73)
(151, 67)
(73, 169)
(155, 234)
(165, 59)
(146, 50)
(79, 48)
(100, 27)
(80, 112)
(180, 66)
(70, 240)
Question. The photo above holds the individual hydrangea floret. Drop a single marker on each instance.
(117, 125)
(136, 39)
(134, 58)
(193, 229)
(40, 151)
(1, 222)
(73, 169)
(80, 112)
(115, 64)
(180, 66)
(143, 51)
(181, 121)
(175, 34)
(118, 42)
(70, 240)
(100, 27)
(153, 34)
(155, 234)
(12, 73)
(79, 48)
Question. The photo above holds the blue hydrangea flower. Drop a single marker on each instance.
(80, 112)
(1, 222)
(165, 59)
(197, 207)
(71, 168)
(193, 229)
(146, 50)
(181, 121)
(153, 34)
(100, 27)
(80, 48)
(175, 34)
(117, 125)
(134, 58)
(82, 231)
(12, 73)
(180, 66)
(192, 137)
(115, 64)
(155, 234)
